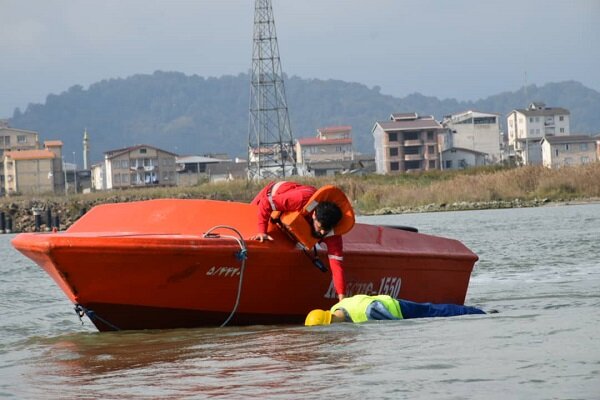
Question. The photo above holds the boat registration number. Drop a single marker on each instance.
(389, 285)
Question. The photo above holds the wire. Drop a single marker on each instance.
(242, 255)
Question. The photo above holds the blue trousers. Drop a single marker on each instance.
(410, 309)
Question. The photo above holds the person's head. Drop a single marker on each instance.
(323, 317)
(326, 215)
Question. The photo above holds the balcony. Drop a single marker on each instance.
(415, 142)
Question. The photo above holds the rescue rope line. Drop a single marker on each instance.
(242, 255)
(81, 311)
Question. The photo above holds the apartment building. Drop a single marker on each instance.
(476, 131)
(136, 166)
(405, 143)
(12, 139)
(34, 171)
(561, 151)
(325, 154)
(526, 128)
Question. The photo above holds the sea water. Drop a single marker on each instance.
(539, 267)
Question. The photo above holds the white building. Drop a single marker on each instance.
(331, 147)
(140, 165)
(527, 127)
(561, 151)
(476, 131)
(459, 158)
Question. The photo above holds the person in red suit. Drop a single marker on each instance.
(286, 196)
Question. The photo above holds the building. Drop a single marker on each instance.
(193, 170)
(527, 127)
(136, 166)
(476, 131)
(459, 158)
(330, 149)
(12, 139)
(35, 171)
(406, 143)
(561, 151)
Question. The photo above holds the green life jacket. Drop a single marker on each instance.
(356, 306)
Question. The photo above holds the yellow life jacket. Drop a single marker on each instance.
(295, 223)
(356, 306)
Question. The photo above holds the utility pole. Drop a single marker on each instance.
(270, 141)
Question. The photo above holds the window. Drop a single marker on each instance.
(392, 137)
(411, 135)
(585, 160)
(556, 152)
(431, 149)
(530, 119)
(562, 130)
(143, 151)
(413, 165)
(394, 166)
(7, 140)
(431, 164)
(124, 163)
(430, 135)
(21, 139)
(125, 178)
(567, 147)
(117, 178)
(393, 151)
(412, 150)
(448, 164)
(561, 118)
(486, 120)
(537, 119)
(531, 131)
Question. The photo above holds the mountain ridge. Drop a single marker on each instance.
(190, 114)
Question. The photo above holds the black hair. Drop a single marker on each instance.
(328, 214)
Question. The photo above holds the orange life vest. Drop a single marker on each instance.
(295, 223)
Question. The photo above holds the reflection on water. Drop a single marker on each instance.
(199, 361)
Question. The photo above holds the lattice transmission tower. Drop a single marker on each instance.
(270, 141)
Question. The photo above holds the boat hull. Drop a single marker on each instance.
(148, 265)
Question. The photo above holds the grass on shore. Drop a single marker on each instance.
(375, 192)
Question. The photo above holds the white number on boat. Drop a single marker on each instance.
(390, 285)
(223, 271)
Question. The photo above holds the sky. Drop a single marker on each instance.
(462, 49)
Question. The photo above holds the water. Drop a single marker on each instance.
(538, 266)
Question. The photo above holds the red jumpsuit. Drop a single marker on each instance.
(291, 196)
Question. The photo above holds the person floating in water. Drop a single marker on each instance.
(362, 308)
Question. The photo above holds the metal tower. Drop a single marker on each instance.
(270, 141)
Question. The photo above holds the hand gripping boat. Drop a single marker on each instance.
(174, 263)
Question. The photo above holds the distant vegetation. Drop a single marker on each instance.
(477, 188)
(196, 115)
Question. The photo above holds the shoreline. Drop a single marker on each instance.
(65, 213)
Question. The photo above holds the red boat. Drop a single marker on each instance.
(185, 263)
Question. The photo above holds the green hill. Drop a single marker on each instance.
(196, 115)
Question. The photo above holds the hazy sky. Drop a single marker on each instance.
(450, 49)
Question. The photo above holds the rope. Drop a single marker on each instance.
(242, 255)
(81, 311)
